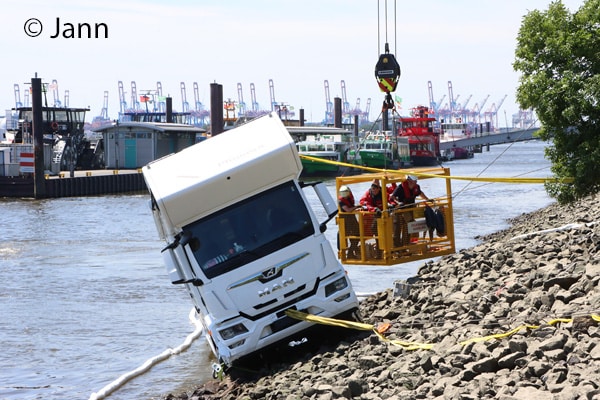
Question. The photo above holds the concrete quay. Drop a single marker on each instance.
(82, 183)
(509, 136)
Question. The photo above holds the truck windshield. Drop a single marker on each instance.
(249, 230)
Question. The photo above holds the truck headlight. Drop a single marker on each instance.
(232, 331)
(336, 286)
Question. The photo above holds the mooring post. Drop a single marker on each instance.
(169, 104)
(216, 109)
(39, 184)
(337, 112)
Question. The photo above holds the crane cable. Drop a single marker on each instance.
(387, 69)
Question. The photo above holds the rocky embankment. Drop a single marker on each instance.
(511, 318)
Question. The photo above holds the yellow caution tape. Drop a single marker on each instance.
(424, 175)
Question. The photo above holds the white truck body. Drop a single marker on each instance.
(243, 238)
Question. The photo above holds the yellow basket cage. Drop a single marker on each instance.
(396, 234)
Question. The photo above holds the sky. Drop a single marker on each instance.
(468, 44)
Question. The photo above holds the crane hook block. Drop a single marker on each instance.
(387, 72)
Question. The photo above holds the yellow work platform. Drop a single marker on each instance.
(397, 234)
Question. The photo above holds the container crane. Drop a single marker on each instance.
(135, 103)
(122, 101)
(160, 99)
(328, 104)
(185, 106)
(451, 99)
(197, 104)
(66, 102)
(283, 110)
(432, 104)
(523, 119)
(345, 104)
(367, 110)
(462, 111)
(491, 115)
(104, 111)
(475, 113)
(464, 105)
(272, 92)
(436, 106)
(55, 95)
(255, 106)
(241, 103)
(199, 113)
(17, 96)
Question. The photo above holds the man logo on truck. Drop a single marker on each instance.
(276, 286)
(270, 273)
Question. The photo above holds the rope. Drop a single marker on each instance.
(416, 345)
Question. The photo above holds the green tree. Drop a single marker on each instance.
(558, 56)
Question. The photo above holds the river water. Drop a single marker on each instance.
(85, 297)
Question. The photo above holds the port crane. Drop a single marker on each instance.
(475, 113)
(255, 106)
(122, 102)
(17, 96)
(56, 97)
(345, 104)
(491, 115)
(160, 99)
(432, 104)
(282, 109)
(199, 114)
(104, 110)
(185, 106)
(272, 93)
(241, 103)
(329, 105)
(367, 110)
(255, 111)
(135, 103)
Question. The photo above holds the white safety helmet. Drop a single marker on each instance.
(344, 191)
(411, 177)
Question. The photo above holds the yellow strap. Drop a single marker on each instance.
(328, 321)
(412, 345)
(499, 335)
(557, 320)
(464, 178)
(403, 344)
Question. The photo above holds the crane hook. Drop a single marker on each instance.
(387, 71)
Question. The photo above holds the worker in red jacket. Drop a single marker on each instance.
(372, 201)
(347, 205)
(405, 195)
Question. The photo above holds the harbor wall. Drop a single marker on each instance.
(86, 184)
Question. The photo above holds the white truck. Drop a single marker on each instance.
(243, 239)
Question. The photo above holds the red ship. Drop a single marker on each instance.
(423, 140)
